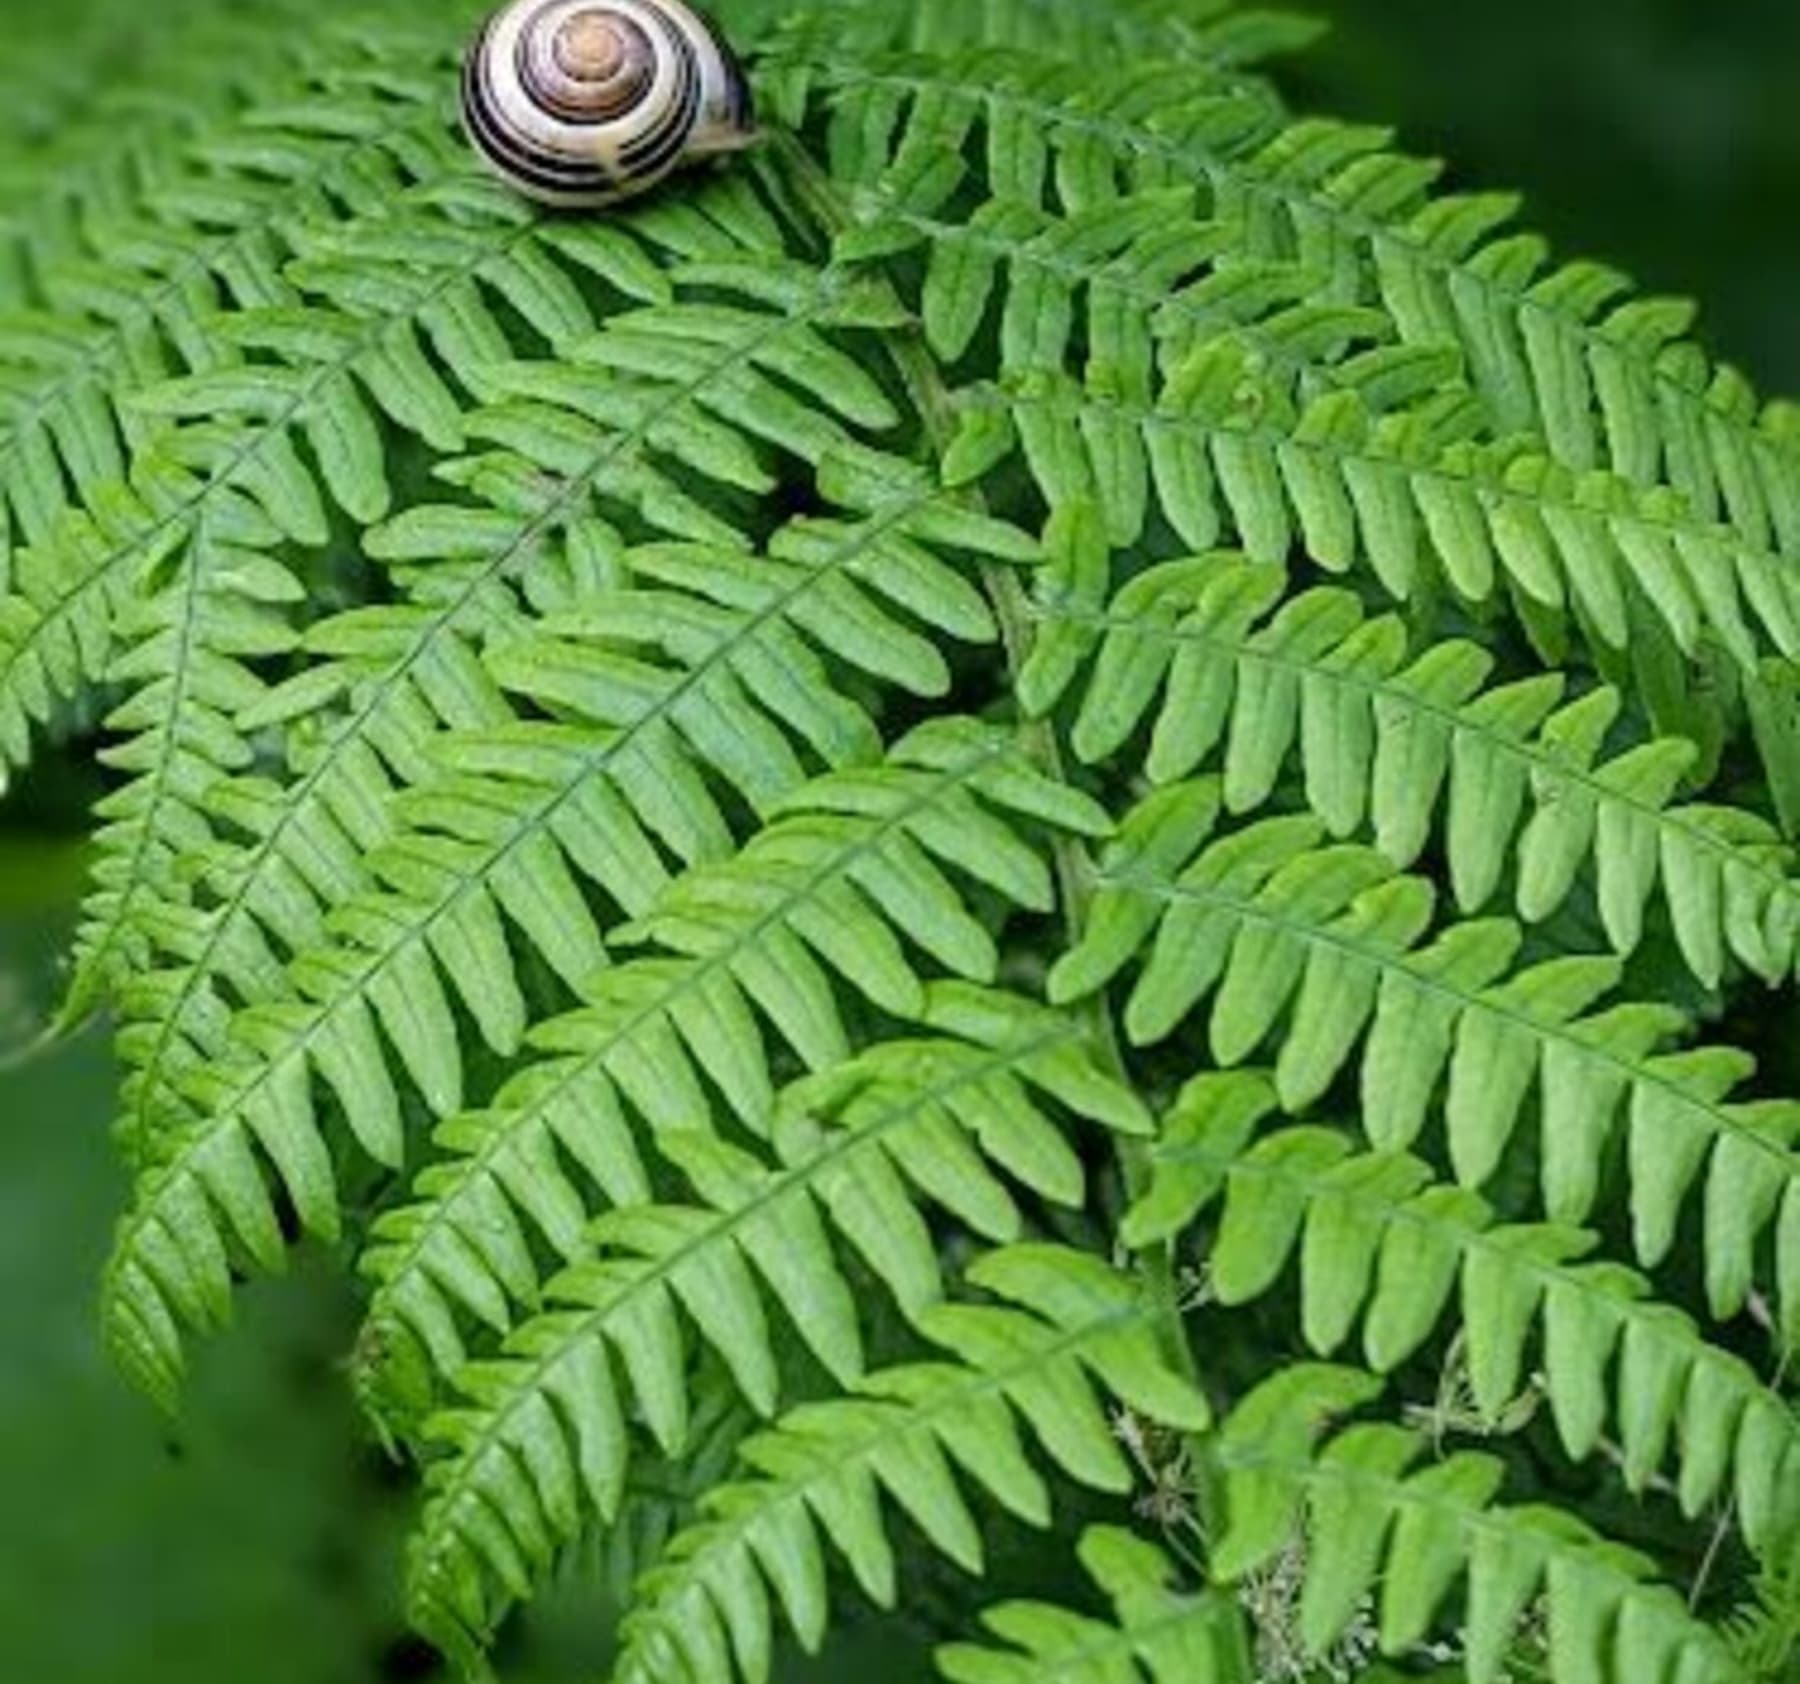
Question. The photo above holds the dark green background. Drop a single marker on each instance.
(261, 1540)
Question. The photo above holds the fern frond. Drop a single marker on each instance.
(1157, 1634)
(1564, 353)
(1408, 492)
(1116, 292)
(208, 237)
(57, 625)
(86, 383)
(851, 880)
(1379, 1239)
(1374, 1526)
(1039, 118)
(203, 1082)
(190, 642)
(918, 1119)
(406, 669)
(1217, 436)
(552, 1407)
(1232, 667)
(1322, 951)
(1069, 1321)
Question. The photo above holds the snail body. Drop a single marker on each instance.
(584, 103)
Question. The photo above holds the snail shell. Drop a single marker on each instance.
(582, 103)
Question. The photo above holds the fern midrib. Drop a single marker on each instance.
(695, 972)
(1489, 488)
(93, 958)
(1140, 139)
(1464, 1000)
(722, 1536)
(934, 406)
(789, 1180)
(1539, 760)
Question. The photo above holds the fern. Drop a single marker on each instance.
(1368, 1514)
(1264, 918)
(827, 1466)
(753, 807)
(816, 891)
(1374, 1230)
(1603, 379)
(854, 1147)
(1353, 486)
(146, 301)
(1766, 1631)
(1157, 1633)
(1382, 738)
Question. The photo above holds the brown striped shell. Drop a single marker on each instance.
(583, 103)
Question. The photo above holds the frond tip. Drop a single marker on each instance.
(1158, 1635)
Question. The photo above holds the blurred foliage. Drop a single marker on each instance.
(130, 1551)
(1663, 135)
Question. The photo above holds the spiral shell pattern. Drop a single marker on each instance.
(582, 103)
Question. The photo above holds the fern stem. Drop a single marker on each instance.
(931, 401)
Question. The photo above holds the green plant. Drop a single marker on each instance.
(756, 810)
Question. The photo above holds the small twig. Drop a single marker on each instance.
(1728, 1515)
(931, 400)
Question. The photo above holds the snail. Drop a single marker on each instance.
(583, 103)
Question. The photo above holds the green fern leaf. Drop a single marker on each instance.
(403, 669)
(1224, 445)
(854, 861)
(1234, 672)
(855, 1149)
(1373, 1525)
(190, 645)
(1322, 951)
(1605, 380)
(440, 911)
(84, 382)
(1376, 1233)
(705, 1612)
(1159, 1634)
